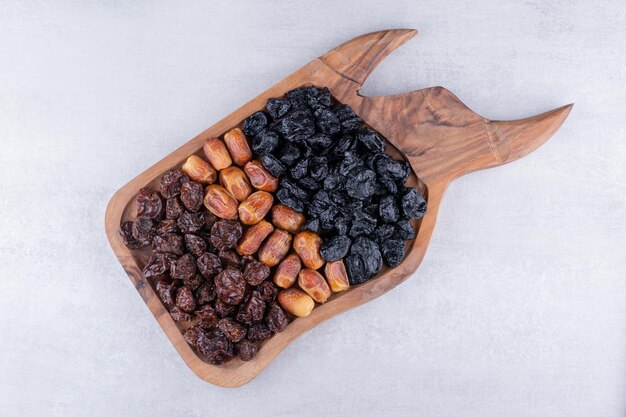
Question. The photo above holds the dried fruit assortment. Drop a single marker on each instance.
(240, 246)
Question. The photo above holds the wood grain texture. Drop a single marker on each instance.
(431, 128)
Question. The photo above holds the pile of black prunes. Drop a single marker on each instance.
(335, 170)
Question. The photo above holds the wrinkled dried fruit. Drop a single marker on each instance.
(190, 222)
(413, 204)
(307, 245)
(253, 124)
(166, 226)
(238, 147)
(195, 245)
(287, 218)
(206, 317)
(209, 264)
(275, 247)
(255, 207)
(158, 264)
(296, 302)
(232, 330)
(199, 170)
(259, 177)
(185, 300)
(223, 309)
(230, 257)
(265, 142)
(253, 237)
(171, 182)
(143, 230)
(313, 283)
(167, 293)
(287, 271)
(173, 208)
(230, 286)
(184, 268)
(335, 248)
(259, 332)
(206, 293)
(273, 165)
(256, 272)
(246, 350)
(215, 347)
(191, 194)
(392, 251)
(169, 243)
(235, 182)
(277, 320)
(336, 276)
(178, 314)
(252, 310)
(268, 291)
(126, 232)
(217, 154)
(220, 202)
(149, 204)
(225, 234)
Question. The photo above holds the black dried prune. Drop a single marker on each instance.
(319, 143)
(209, 264)
(276, 319)
(223, 309)
(185, 300)
(328, 122)
(259, 332)
(317, 97)
(309, 184)
(209, 219)
(356, 270)
(253, 310)
(166, 226)
(371, 140)
(300, 169)
(388, 167)
(387, 185)
(192, 194)
(167, 292)
(232, 330)
(158, 264)
(295, 125)
(383, 232)
(246, 350)
(256, 272)
(184, 268)
(388, 209)
(372, 210)
(297, 98)
(171, 182)
(170, 243)
(255, 123)
(287, 199)
(318, 168)
(349, 120)
(173, 208)
(206, 317)
(341, 225)
(362, 224)
(126, 232)
(268, 291)
(215, 347)
(369, 252)
(327, 218)
(206, 293)
(294, 190)
(225, 234)
(144, 230)
(230, 286)
(273, 165)
(335, 248)
(404, 230)
(190, 222)
(333, 182)
(289, 154)
(351, 160)
(392, 251)
(345, 144)
(149, 204)
(278, 107)
(195, 245)
(230, 257)
(312, 225)
(362, 183)
(413, 204)
(265, 142)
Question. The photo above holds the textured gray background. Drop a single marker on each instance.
(518, 309)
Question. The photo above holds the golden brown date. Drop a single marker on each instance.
(287, 271)
(336, 276)
(307, 245)
(296, 302)
(219, 202)
(275, 247)
(235, 182)
(253, 237)
(287, 218)
(237, 144)
(199, 170)
(255, 207)
(259, 177)
(314, 284)
(217, 154)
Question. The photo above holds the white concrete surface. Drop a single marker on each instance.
(519, 308)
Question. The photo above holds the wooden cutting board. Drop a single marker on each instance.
(431, 128)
